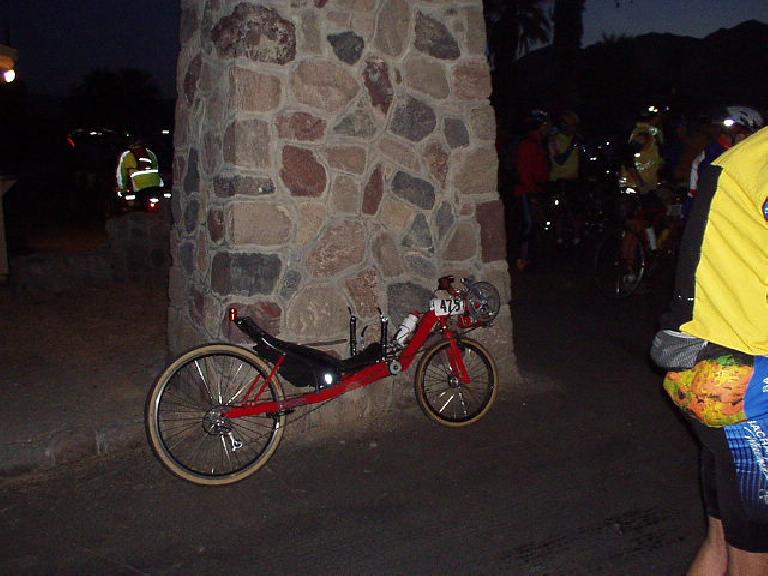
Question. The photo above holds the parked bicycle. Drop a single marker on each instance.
(217, 413)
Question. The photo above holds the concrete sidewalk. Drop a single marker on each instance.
(75, 367)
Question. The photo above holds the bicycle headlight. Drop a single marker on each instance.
(483, 302)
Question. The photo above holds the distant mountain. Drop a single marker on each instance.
(619, 76)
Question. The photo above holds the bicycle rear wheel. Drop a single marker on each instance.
(619, 264)
(441, 394)
(185, 420)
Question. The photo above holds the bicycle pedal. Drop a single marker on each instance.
(285, 412)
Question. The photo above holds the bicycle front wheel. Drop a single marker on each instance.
(619, 264)
(185, 420)
(442, 395)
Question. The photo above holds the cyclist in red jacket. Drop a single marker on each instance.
(532, 176)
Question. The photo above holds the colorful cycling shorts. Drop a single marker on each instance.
(731, 391)
(723, 390)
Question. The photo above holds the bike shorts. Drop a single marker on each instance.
(722, 491)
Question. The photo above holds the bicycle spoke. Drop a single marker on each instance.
(445, 395)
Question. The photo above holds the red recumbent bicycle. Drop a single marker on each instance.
(217, 413)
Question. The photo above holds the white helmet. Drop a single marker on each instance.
(744, 116)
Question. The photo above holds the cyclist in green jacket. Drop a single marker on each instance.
(138, 176)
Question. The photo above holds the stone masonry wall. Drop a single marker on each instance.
(332, 154)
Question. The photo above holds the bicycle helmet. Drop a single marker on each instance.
(568, 117)
(535, 119)
(742, 116)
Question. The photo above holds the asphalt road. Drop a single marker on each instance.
(592, 474)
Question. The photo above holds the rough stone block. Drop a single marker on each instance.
(415, 190)
(347, 158)
(254, 92)
(318, 311)
(324, 85)
(244, 274)
(433, 38)
(471, 80)
(378, 84)
(413, 119)
(260, 223)
(339, 247)
(479, 172)
(302, 174)
(247, 144)
(364, 290)
(392, 27)
(257, 33)
(300, 126)
(493, 235)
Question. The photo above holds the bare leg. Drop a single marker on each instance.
(743, 563)
(712, 557)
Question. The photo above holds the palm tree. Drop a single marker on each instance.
(514, 27)
(568, 20)
(125, 100)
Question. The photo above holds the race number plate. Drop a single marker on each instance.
(447, 307)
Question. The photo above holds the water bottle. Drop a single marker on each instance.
(405, 330)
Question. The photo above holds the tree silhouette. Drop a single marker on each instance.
(126, 100)
(513, 26)
(568, 18)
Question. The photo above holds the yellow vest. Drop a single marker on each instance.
(569, 169)
(138, 173)
(647, 161)
(731, 285)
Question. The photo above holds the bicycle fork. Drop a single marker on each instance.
(456, 359)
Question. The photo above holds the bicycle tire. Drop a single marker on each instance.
(183, 416)
(617, 274)
(440, 394)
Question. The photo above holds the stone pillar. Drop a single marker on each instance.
(331, 154)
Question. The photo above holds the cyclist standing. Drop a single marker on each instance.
(732, 125)
(564, 162)
(715, 347)
(532, 174)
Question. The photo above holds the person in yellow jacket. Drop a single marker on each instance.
(138, 177)
(715, 346)
(564, 164)
(642, 173)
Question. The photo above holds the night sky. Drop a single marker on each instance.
(59, 41)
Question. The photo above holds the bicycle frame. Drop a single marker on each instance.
(360, 378)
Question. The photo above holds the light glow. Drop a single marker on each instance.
(9, 75)
(728, 122)
(130, 196)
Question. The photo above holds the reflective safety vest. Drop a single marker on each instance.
(647, 161)
(564, 157)
(137, 173)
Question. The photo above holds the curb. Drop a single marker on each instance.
(67, 446)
